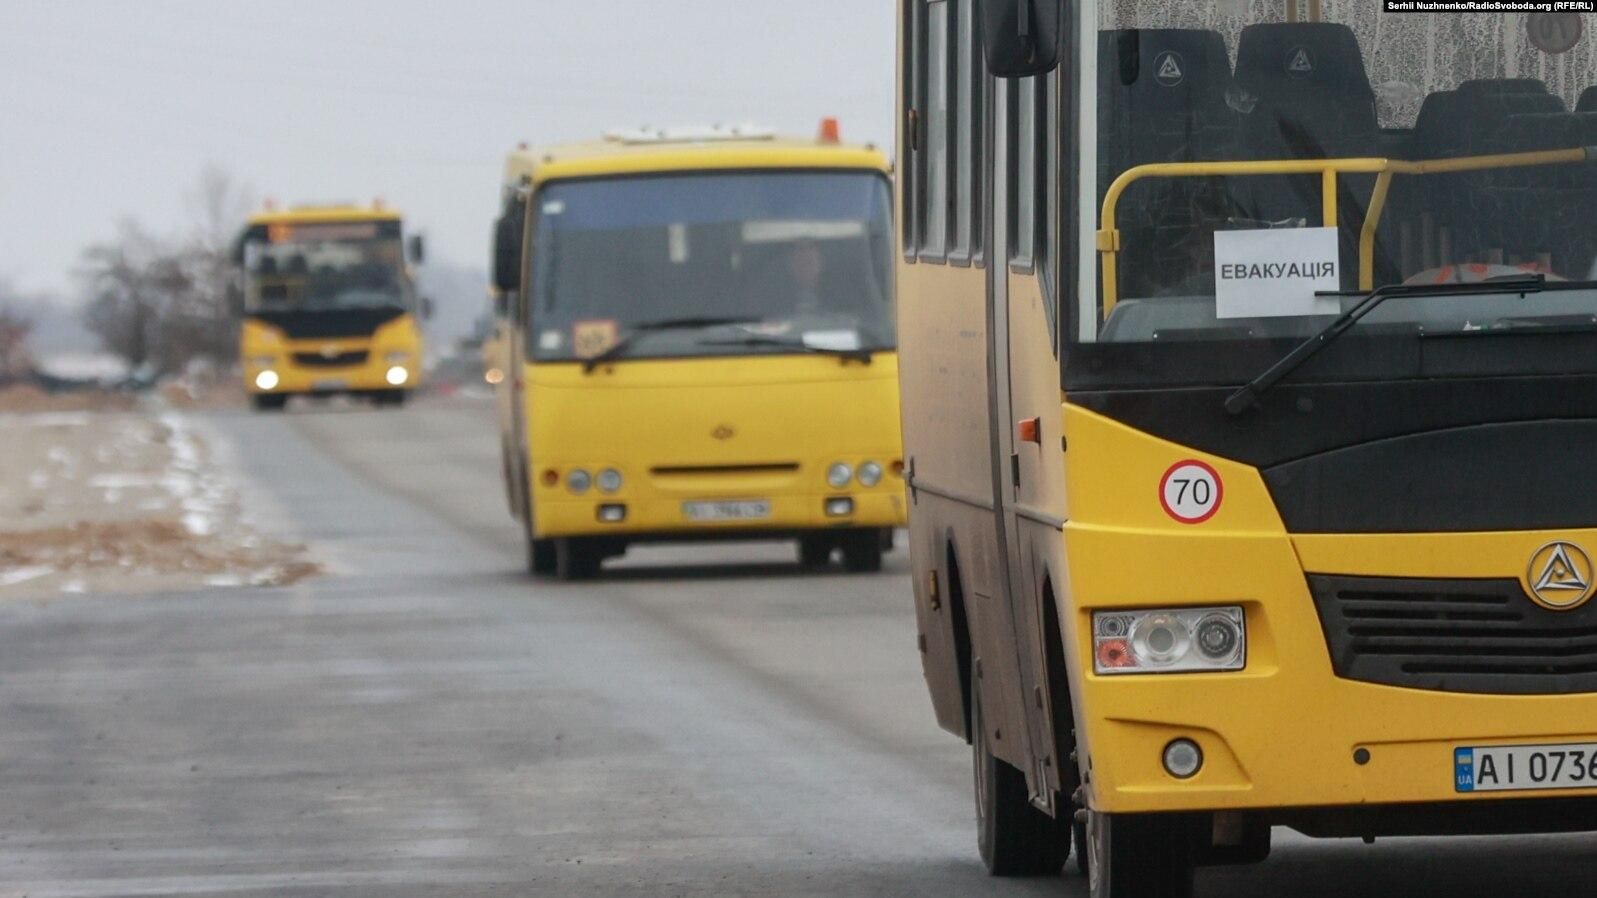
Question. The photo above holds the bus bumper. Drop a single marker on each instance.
(667, 517)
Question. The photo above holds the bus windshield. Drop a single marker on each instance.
(766, 262)
(1261, 164)
(325, 268)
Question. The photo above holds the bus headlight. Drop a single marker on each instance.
(609, 480)
(870, 474)
(263, 361)
(839, 475)
(578, 481)
(267, 380)
(397, 358)
(397, 376)
(1169, 641)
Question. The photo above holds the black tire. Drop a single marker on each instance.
(862, 551)
(888, 535)
(269, 402)
(1140, 855)
(1015, 838)
(576, 559)
(388, 398)
(815, 552)
(541, 555)
(1078, 840)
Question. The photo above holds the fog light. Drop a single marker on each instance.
(840, 507)
(578, 481)
(839, 474)
(1183, 759)
(397, 375)
(266, 380)
(870, 474)
(609, 480)
(612, 514)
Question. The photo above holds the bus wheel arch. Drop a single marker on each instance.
(960, 627)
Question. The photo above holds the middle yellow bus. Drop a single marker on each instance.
(699, 344)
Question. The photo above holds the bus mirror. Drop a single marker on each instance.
(1022, 37)
(507, 255)
(418, 250)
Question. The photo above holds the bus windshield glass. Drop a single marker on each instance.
(1258, 165)
(325, 268)
(731, 264)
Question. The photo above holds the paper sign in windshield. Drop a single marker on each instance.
(1275, 273)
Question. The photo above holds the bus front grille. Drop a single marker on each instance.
(335, 360)
(1475, 636)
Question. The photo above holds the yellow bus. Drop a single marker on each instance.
(700, 346)
(330, 305)
(1249, 366)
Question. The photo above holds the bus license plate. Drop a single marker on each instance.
(1510, 768)
(744, 510)
(330, 386)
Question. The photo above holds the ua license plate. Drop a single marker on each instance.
(330, 386)
(1516, 768)
(743, 510)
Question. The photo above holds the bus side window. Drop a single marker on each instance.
(934, 125)
(1023, 159)
(967, 157)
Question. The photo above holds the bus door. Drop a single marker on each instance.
(1018, 577)
(515, 352)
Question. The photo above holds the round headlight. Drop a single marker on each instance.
(1160, 639)
(870, 474)
(1217, 637)
(266, 380)
(610, 480)
(578, 481)
(839, 474)
(397, 375)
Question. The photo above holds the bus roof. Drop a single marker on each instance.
(644, 152)
(323, 215)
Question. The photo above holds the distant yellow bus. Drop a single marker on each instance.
(329, 306)
(700, 344)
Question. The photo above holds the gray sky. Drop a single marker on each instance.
(111, 108)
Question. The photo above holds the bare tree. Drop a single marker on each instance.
(16, 325)
(161, 303)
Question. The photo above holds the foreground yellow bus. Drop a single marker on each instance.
(700, 346)
(1249, 371)
(330, 306)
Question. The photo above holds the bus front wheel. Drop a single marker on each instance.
(576, 559)
(269, 402)
(1015, 838)
(862, 551)
(1140, 855)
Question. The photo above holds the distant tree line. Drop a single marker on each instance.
(159, 303)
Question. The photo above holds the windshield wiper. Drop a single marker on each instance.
(620, 347)
(861, 355)
(1248, 396)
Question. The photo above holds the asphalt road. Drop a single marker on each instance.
(427, 720)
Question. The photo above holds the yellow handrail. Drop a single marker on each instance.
(1108, 239)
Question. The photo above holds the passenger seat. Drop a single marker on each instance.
(1305, 94)
(1162, 98)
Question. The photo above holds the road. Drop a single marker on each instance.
(427, 720)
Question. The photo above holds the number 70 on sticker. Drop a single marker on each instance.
(1191, 492)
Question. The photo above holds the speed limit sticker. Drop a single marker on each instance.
(1191, 492)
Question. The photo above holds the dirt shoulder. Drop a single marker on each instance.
(125, 501)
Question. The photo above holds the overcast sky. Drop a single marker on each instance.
(111, 108)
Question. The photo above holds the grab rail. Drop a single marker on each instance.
(1329, 170)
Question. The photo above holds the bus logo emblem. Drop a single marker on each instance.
(1560, 576)
(723, 432)
(1299, 63)
(1168, 71)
